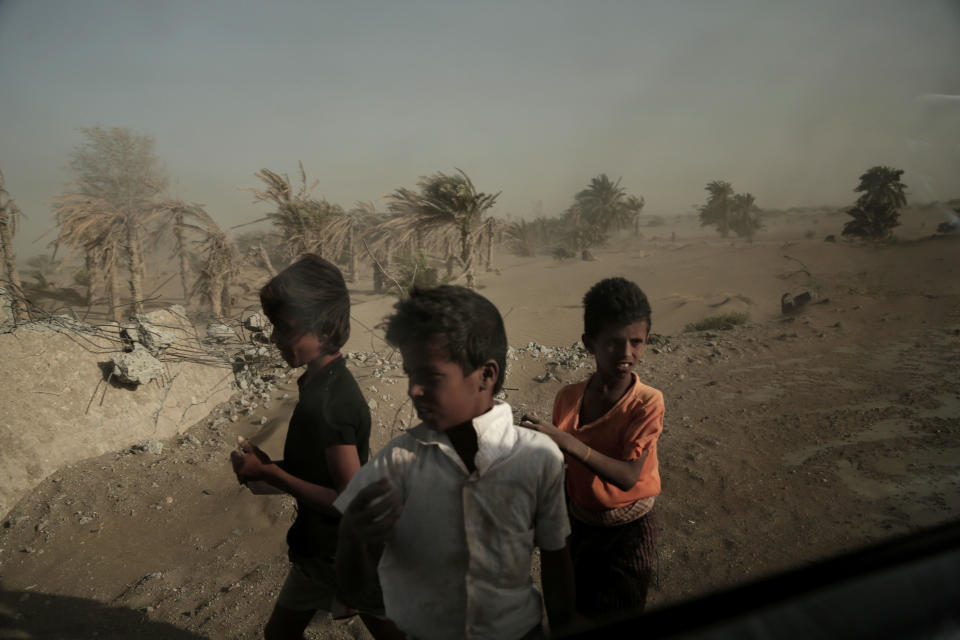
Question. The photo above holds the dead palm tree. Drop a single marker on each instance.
(91, 225)
(117, 181)
(363, 221)
(443, 204)
(216, 255)
(176, 216)
(10, 215)
(305, 224)
(490, 226)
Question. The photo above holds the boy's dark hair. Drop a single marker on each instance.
(614, 302)
(469, 324)
(312, 293)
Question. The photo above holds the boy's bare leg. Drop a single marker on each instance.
(287, 624)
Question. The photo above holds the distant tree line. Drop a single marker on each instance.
(117, 209)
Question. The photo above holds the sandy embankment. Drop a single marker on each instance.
(58, 408)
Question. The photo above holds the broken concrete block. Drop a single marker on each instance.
(136, 367)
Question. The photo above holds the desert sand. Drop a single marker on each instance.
(787, 440)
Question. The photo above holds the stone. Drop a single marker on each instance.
(149, 446)
(136, 367)
(153, 332)
(189, 438)
(257, 322)
(219, 332)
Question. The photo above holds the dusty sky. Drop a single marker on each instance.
(791, 101)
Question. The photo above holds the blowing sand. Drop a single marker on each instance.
(787, 440)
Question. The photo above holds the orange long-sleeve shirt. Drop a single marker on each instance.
(631, 426)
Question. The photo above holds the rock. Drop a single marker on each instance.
(136, 367)
(154, 334)
(790, 305)
(219, 332)
(372, 404)
(148, 446)
(189, 438)
(257, 322)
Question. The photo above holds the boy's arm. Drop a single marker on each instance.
(367, 523)
(623, 474)
(559, 593)
(251, 463)
(551, 529)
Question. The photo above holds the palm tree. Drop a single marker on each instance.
(520, 237)
(90, 225)
(363, 219)
(634, 206)
(882, 185)
(10, 215)
(175, 214)
(744, 218)
(117, 176)
(444, 203)
(216, 260)
(603, 204)
(306, 224)
(716, 211)
(490, 227)
(876, 211)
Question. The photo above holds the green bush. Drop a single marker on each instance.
(719, 322)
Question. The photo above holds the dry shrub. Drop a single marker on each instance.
(719, 322)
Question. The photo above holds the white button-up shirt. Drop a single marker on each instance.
(458, 562)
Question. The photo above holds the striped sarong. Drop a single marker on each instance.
(613, 565)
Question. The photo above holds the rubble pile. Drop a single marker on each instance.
(257, 366)
(383, 368)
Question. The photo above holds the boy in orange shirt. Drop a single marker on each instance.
(607, 427)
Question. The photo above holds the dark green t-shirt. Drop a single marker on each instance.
(331, 411)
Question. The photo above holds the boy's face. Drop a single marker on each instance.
(297, 346)
(617, 349)
(442, 395)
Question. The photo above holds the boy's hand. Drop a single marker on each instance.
(560, 438)
(532, 421)
(248, 460)
(374, 512)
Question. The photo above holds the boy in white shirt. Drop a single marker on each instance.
(454, 507)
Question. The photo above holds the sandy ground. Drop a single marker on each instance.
(786, 441)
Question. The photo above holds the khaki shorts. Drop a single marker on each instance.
(310, 584)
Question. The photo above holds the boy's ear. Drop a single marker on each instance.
(588, 342)
(489, 372)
